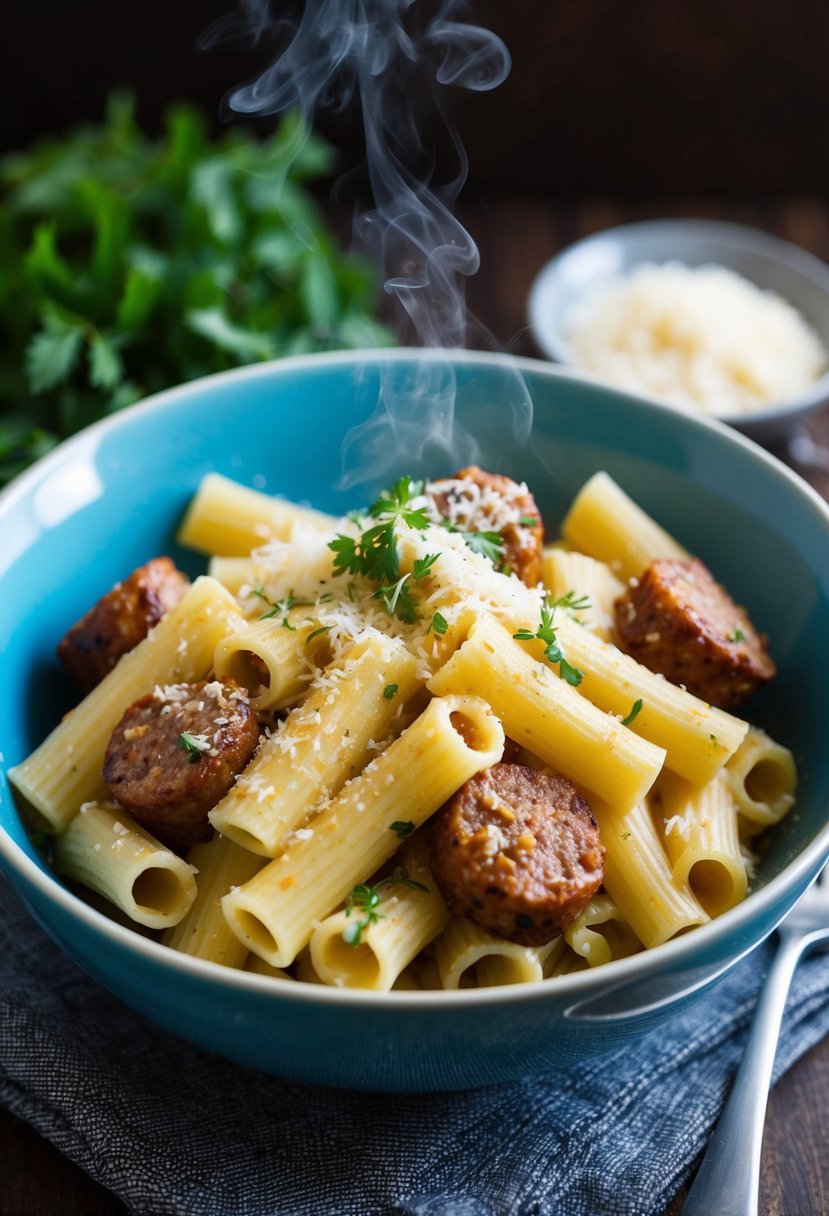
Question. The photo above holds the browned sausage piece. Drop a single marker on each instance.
(120, 620)
(517, 852)
(476, 501)
(677, 620)
(176, 753)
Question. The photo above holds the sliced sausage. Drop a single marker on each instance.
(476, 501)
(120, 620)
(518, 852)
(176, 753)
(677, 620)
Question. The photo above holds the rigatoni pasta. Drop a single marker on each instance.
(65, 770)
(391, 661)
(105, 850)
(352, 835)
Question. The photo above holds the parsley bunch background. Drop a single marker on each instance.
(129, 264)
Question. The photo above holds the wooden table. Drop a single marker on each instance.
(515, 238)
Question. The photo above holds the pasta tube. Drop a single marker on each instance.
(467, 956)
(564, 570)
(701, 840)
(762, 778)
(203, 932)
(104, 849)
(407, 919)
(273, 660)
(638, 877)
(351, 836)
(697, 737)
(228, 518)
(600, 933)
(238, 572)
(323, 742)
(608, 525)
(66, 769)
(259, 967)
(543, 713)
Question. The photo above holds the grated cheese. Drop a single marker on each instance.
(701, 339)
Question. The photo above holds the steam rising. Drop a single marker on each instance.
(382, 55)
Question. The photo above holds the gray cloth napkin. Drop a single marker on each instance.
(171, 1129)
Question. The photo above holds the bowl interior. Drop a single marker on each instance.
(763, 259)
(112, 498)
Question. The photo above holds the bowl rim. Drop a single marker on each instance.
(579, 986)
(549, 339)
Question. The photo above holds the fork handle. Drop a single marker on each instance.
(728, 1181)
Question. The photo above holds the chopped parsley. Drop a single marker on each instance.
(528, 521)
(736, 635)
(546, 633)
(488, 544)
(194, 745)
(279, 608)
(439, 624)
(403, 827)
(315, 633)
(625, 835)
(365, 899)
(422, 565)
(374, 553)
(634, 710)
(389, 691)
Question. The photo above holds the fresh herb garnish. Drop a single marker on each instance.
(572, 602)
(193, 745)
(315, 633)
(488, 544)
(439, 624)
(736, 635)
(365, 898)
(528, 521)
(389, 691)
(279, 608)
(546, 633)
(422, 565)
(403, 827)
(634, 710)
(398, 600)
(374, 552)
(625, 835)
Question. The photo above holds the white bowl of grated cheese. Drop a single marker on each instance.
(701, 315)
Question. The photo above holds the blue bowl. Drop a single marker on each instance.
(112, 497)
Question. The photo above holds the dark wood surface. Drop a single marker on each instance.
(515, 238)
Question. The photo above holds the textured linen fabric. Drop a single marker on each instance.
(171, 1129)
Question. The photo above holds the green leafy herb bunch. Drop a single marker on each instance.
(130, 264)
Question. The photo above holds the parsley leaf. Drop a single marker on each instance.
(422, 565)
(279, 607)
(488, 544)
(403, 827)
(365, 899)
(439, 624)
(374, 553)
(390, 691)
(194, 745)
(634, 711)
(546, 633)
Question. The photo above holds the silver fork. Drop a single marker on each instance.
(728, 1180)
